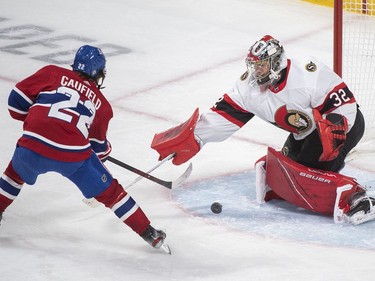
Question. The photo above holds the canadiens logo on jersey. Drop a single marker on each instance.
(293, 121)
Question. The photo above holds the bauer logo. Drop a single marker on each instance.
(316, 178)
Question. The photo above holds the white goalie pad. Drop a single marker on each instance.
(260, 181)
(338, 214)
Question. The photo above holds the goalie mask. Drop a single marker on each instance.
(265, 60)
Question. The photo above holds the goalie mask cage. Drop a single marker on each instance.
(354, 53)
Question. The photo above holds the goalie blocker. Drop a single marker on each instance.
(324, 192)
(178, 140)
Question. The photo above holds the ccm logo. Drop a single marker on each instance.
(309, 176)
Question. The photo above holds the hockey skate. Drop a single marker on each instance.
(156, 239)
(362, 208)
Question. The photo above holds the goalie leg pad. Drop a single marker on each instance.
(343, 194)
(260, 180)
(262, 191)
(311, 189)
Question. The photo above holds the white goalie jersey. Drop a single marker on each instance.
(304, 85)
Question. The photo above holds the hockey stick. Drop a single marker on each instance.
(169, 157)
(168, 184)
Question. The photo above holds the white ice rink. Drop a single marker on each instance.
(165, 58)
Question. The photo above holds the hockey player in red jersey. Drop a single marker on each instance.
(312, 103)
(65, 120)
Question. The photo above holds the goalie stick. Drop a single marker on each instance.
(92, 202)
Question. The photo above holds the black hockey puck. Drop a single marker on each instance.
(216, 208)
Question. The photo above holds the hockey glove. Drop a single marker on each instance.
(179, 140)
(332, 132)
(102, 149)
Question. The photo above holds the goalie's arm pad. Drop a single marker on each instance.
(179, 140)
(332, 132)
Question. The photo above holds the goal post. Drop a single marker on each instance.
(337, 37)
(354, 51)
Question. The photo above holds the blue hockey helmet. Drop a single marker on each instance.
(90, 61)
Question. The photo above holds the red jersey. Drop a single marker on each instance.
(65, 115)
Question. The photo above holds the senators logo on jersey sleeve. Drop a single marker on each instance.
(293, 121)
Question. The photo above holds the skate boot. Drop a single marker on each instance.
(155, 238)
(362, 208)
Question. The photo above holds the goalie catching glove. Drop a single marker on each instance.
(332, 132)
(179, 140)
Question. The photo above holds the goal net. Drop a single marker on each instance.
(355, 62)
(354, 58)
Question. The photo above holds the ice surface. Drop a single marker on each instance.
(275, 219)
(165, 59)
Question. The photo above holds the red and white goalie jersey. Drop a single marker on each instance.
(304, 85)
(65, 116)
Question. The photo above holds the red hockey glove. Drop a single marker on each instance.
(179, 140)
(332, 132)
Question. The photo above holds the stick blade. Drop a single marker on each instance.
(183, 177)
(166, 249)
(91, 202)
